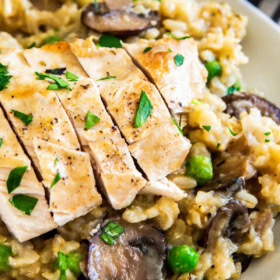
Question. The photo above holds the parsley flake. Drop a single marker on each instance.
(4, 78)
(1, 142)
(56, 161)
(91, 120)
(218, 145)
(27, 119)
(56, 179)
(233, 88)
(15, 177)
(144, 110)
(231, 132)
(169, 50)
(207, 127)
(60, 83)
(175, 123)
(147, 49)
(178, 38)
(24, 203)
(71, 77)
(111, 232)
(51, 40)
(267, 133)
(109, 41)
(31, 45)
(179, 60)
(107, 78)
(267, 140)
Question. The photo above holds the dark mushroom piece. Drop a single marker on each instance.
(245, 260)
(117, 18)
(240, 102)
(231, 221)
(138, 254)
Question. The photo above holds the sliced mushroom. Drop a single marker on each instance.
(245, 260)
(262, 221)
(231, 221)
(111, 17)
(239, 102)
(228, 186)
(139, 254)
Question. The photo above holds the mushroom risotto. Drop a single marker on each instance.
(130, 148)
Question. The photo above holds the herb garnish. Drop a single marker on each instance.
(5, 253)
(267, 140)
(147, 49)
(111, 232)
(59, 82)
(218, 145)
(267, 133)
(15, 178)
(24, 203)
(32, 45)
(56, 71)
(207, 127)
(51, 40)
(1, 142)
(169, 50)
(179, 59)
(179, 128)
(144, 110)
(232, 133)
(196, 102)
(27, 119)
(178, 38)
(4, 78)
(91, 120)
(71, 77)
(109, 41)
(56, 179)
(56, 161)
(107, 78)
(70, 261)
(233, 88)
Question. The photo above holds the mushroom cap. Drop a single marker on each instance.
(111, 18)
(242, 101)
(139, 254)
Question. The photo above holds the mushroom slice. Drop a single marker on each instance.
(245, 260)
(228, 186)
(138, 254)
(239, 102)
(231, 221)
(120, 22)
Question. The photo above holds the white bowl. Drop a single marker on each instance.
(262, 46)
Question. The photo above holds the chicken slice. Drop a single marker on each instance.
(21, 225)
(28, 95)
(177, 84)
(113, 163)
(70, 181)
(148, 143)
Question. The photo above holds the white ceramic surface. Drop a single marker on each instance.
(262, 45)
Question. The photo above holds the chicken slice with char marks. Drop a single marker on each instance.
(114, 166)
(72, 192)
(177, 84)
(151, 143)
(21, 225)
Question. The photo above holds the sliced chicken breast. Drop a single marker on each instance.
(68, 176)
(152, 142)
(21, 225)
(114, 166)
(177, 84)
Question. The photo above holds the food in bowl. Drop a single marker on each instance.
(130, 147)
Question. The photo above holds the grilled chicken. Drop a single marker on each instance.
(177, 84)
(157, 145)
(48, 122)
(69, 178)
(114, 166)
(21, 225)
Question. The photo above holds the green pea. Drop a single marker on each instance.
(182, 259)
(200, 168)
(5, 253)
(214, 69)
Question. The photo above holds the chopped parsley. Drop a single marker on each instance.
(109, 41)
(32, 45)
(4, 77)
(267, 133)
(91, 120)
(144, 110)
(207, 127)
(5, 253)
(179, 59)
(56, 179)
(69, 261)
(15, 178)
(59, 82)
(175, 123)
(27, 119)
(24, 203)
(218, 145)
(196, 102)
(56, 71)
(147, 49)
(233, 88)
(180, 121)
(56, 161)
(51, 40)
(231, 132)
(111, 232)
(267, 140)
(169, 50)
(107, 78)
(178, 38)
(71, 77)
(1, 142)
